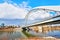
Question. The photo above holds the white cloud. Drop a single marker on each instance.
(13, 12)
(39, 14)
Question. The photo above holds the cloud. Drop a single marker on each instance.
(10, 10)
(42, 15)
(14, 11)
(37, 16)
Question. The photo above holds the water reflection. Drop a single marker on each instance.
(55, 33)
(10, 35)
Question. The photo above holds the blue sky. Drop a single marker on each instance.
(35, 3)
(17, 9)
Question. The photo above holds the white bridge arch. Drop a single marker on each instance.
(39, 9)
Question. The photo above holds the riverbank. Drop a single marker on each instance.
(38, 38)
(29, 36)
(10, 29)
(6, 29)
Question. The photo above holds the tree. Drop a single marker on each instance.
(2, 25)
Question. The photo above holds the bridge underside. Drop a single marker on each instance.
(45, 27)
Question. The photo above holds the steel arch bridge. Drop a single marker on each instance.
(47, 10)
(39, 9)
(37, 24)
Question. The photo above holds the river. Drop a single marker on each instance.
(55, 33)
(10, 35)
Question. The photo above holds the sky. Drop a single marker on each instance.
(18, 9)
(15, 9)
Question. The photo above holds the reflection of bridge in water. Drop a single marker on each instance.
(46, 25)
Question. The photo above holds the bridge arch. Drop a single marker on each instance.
(39, 9)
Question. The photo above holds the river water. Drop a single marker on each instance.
(10, 35)
(55, 33)
(16, 35)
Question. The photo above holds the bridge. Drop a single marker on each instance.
(49, 24)
(45, 26)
